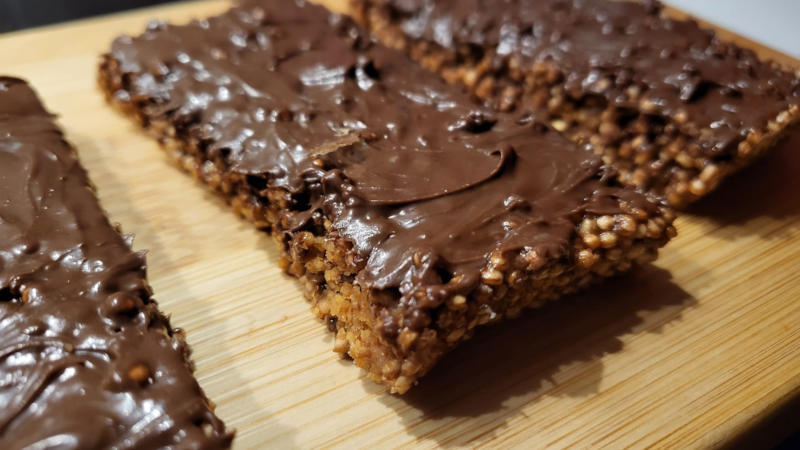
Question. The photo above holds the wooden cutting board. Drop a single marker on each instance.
(699, 350)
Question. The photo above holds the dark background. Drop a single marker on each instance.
(19, 14)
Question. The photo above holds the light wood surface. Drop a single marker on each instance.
(693, 352)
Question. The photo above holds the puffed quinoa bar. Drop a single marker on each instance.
(410, 216)
(673, 108)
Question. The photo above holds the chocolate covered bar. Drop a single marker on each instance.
(410, 216)
(86, 358)
(671, 106)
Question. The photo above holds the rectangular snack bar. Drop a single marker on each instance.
(669, 105)
(86, 358)
(410, 216)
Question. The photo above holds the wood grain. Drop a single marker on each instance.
(692, 352)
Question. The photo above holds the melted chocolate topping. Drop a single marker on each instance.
(86, 359)
(725, 90)
(422, 183)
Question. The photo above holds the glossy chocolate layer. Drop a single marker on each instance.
(604, 47)
(424, 185)
(86, 359)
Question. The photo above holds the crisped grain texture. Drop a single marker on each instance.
(691, 353)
